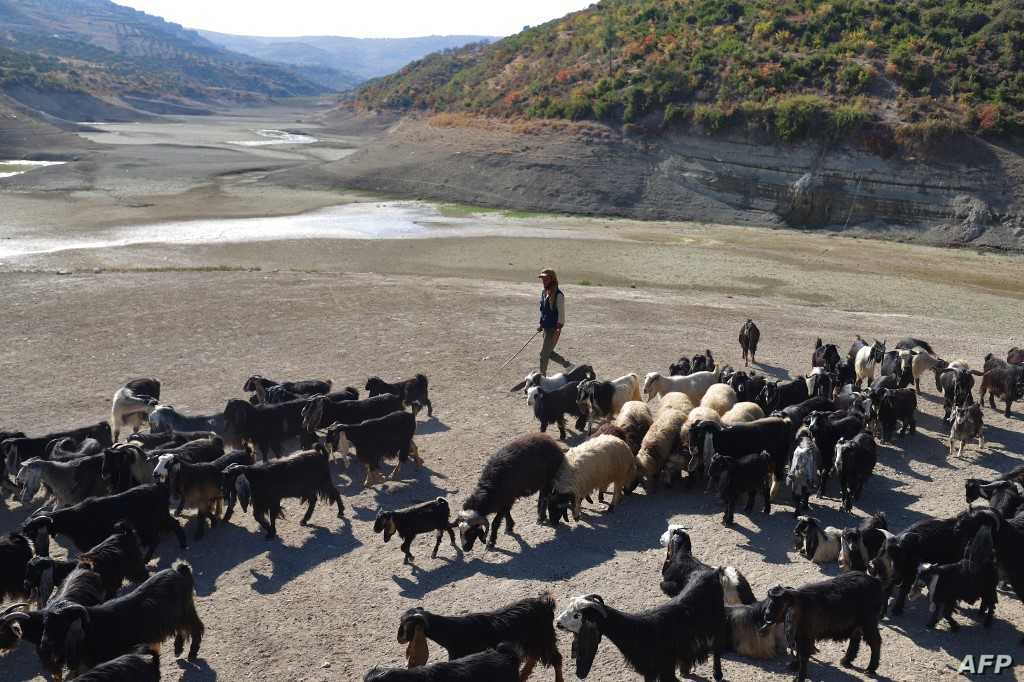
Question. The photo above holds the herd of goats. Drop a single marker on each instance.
(731, 431)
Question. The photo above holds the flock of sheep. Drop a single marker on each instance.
(701, 426)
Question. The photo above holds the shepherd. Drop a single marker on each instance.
(552, 319)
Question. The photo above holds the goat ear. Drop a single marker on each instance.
(518, 387)
(584, 647)
(417, 652)
(16, 629)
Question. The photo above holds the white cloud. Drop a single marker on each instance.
(359, 18)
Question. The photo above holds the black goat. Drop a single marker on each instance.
(116, 559)
(826, 355)
(898, 364)
(827, 428)
(409, 522)
(18, 624)
(1004, 496)
(142, 665)
(89, 522)
(320, 411)
(677, 634)
(855, 460)
(956, 385)
(680, 368)
(15, 553)
(375, 440)
(777, 395)
(897, 405)
(910, 343)
(972, 578)
(267, 427)
(750, 474)
(680, 565)
(1009, 543)
(5, 481)
(17, 450)
(527, 623)
(305, 475)
(937, 541)
(862, 544)
(500, 664)
(770, 434)
(552, 406)
(747, 387)
(750, 336)
(797, 414)
(44, 574)
(257, 385)
(525, 466)
(413, 392)
(81, 637)
(845, 607)
(1005, 381)
(703, 363)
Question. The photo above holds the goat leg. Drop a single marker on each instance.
(406, 544)
(440, 535)
(851, 652)
(451, 535)
(309, 511)
(528, 666)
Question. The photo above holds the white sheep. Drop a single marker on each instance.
(660, 443)
(742, 412)
(693, 385)
(593, 465)
(633, 421)
(719, 397)
(676, 401)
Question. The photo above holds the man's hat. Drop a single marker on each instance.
(548, 272)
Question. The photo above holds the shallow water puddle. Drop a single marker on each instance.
(275, 137)
(9, 169)
(366, 220)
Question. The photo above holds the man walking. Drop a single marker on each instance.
(552, 319)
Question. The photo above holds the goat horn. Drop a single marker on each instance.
(14, 607)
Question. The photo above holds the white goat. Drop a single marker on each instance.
(693, 385)
(923, 362)
(129, 410)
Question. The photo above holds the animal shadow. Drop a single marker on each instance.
(289, 562)
(432, 425)
(196, 671)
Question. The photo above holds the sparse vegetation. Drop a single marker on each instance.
(790, 68)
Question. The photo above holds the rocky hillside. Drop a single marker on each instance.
(58, 55)
(904, 71)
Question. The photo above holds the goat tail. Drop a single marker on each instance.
(421, 380)
(743, 589)
(548, 600)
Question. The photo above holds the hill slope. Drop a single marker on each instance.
(56, 52)
(788, 67)
(358, 59)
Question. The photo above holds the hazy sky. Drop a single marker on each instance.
(359, 18)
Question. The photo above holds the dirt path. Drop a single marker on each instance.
(322, 603)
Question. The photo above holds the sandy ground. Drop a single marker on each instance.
(322, 603)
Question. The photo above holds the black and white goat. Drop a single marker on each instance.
(1004, 496)
(375, 440)
(305, 475)
(802, 474)
(550, 383)
(527, 623)
(827, 429)
(937, 541)
(82, 637)
(821, 544)
(777, 395)
(858, 546)
(89, 522)
(550, 407)
(525, 466)
(500, 664)
(131, 405)
(433, 516)
(680, 565)
(966, 423)
(412, 392)
(200, 485)
(973, 578)
(675, 635)
(848, 606)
